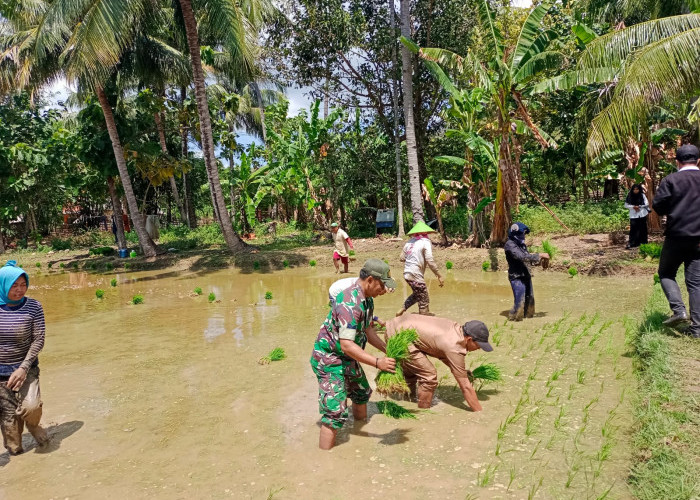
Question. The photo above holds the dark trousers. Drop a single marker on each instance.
(639, 233)
(523, 299)
(419, 295)
(686, 251)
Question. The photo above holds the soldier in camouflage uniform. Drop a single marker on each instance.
(339, 350)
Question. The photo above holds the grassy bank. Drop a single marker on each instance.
(667, 439)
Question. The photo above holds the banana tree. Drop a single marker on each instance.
(506, 74)
(248, 183)
(446, 197)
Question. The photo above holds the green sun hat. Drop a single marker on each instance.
(421, 227)
(379, 269)
(335, 224)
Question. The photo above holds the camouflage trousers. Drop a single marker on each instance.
(419, 295)
(337, 381)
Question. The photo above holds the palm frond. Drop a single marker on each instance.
(540, 44)
(458, 65)
(529, 33)
(541, 62)
(663, 70)
(488, 24)
(613, 48)
(576, 78)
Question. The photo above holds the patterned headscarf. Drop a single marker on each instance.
(9, 273)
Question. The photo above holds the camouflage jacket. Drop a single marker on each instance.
(349, 319)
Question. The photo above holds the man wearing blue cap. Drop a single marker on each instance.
(678, 198)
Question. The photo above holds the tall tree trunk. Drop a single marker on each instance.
(147, 245)
(395, 104)
(164, 149)
(474, 240)
(118, 213)
(186, 191)
(2, 242)
(411, 148)
(650, 164)
(507, 187)
(584, 177)
(233, 241)
(441, 229)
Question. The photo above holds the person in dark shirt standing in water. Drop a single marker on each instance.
(678, 198)
(518, 273)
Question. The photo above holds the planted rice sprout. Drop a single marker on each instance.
(485, 265)
(285, 263)
(99, 293)
(397, 348)
(485, 477)
(198, 290)
(256, 265)
(268, 295)
(511, 477)
(573, 271)
(277, 354)
(137, 299)
(393, 410)
(581, 376)
(449, 265)
(312, 263)
(113, 282)
(558, 420)
(212, 297)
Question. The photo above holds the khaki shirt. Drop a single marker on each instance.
(441, 338)
(341, 245)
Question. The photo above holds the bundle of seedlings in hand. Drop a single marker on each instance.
(487, 373)
(277, 354)
(397, 348)
(393, 410)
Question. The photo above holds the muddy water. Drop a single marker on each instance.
(166, 399)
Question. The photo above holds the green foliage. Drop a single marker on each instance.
(137, 299)
(397, 348)
(351, 253)
(49, 265)
(61, 265)
(99, 293)
(572, 271)
(285, 263)
(104, 251)
(657, 280)
(113, 282)
(59, 244)
(268, 295)
(393, 410)
(198, 290)
(256, 265)
(277, 354)
(133, 254)
(183, 238)
(449, 265)
(212, 297)
(312, 263)
(581, 218)
(652, 250)
(38, 264)
(549, 249)
(485, 265)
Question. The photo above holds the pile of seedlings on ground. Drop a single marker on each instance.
(393, 410)
(277, 354)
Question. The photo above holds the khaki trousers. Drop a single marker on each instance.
(19, 408)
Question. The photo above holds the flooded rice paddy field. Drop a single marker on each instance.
(166, 399)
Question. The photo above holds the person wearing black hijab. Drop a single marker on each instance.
(518, 273)
(636, 202)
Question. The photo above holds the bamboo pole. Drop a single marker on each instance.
(545, 207)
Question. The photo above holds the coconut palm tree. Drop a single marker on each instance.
(411, 145)
(395, 108)
(85, 45)
(506, 74)
(235, 21)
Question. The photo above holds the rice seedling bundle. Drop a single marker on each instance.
(212, 297)
(488, 372)
(397, 348)
(277, 354)
(198, 290)
(268, 295)
(113, 282)
(449, 265)
(549, 249)
(312, 263)
(137, 299)
(99, 293)
(485, 265)
(393, 410)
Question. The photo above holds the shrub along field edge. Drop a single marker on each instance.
(666, 439)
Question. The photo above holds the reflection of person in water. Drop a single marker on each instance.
(518, 273)
(21, 339)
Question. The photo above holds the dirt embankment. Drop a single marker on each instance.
(593, 254)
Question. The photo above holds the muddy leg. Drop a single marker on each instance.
(326, 439)
(529, 300)
(11, 425)
(30, 409)
(518, 311)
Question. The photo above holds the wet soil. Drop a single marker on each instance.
(166, 399)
